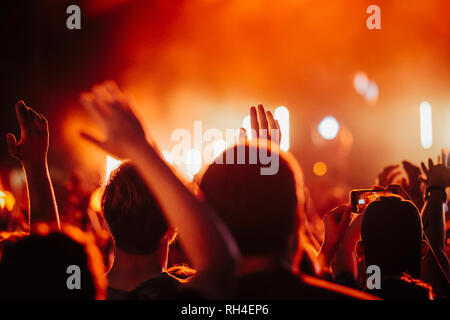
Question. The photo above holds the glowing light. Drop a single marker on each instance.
(282, 115)
(7, 200)
(193, 163)
(247, 126)
(360, 82)
(365, 87)
(111, 165)
(328, 128)
(426, 129)
(96, 200)
(168, 156)
(320, 168)
(371, 93)
(219, 147)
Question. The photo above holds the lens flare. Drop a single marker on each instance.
(328, 128)
(426, 129)
(360, 82)
(111, 165)
(167, 155)
(193, 163)
(7, 200)
(219, 147)
(282, 115)
(320, 168)
(95, 201)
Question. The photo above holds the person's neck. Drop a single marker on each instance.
(129, 270)
(261, 263)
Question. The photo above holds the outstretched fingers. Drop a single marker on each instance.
(275, 132)
(254, 122)
(88, 100)
(263, 123)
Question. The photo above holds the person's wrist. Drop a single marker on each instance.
(436, 191)
(35, 162)
(135, 151)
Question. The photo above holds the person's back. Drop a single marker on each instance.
(404, 288)
(52, 265)
(391, 238)
(263, 212)
(141, 236)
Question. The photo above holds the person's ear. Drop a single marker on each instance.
(359, 248)
(424, 249)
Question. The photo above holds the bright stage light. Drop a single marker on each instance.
(96, 200)
(371, 93)
(219, 147)
(426, 129)
(167, 155)
(111, 165)
(7, 200)
(320, 168)
(360, 82)
(328, 128)
(193, 163)
(282, 115)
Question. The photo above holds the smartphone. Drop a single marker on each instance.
(361, 198)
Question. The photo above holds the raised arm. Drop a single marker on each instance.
(206, 241)
(435, 266)
(31, 151)
(336, 224)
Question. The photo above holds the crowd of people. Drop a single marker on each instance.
(242, 234)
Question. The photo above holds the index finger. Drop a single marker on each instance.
(254, 121)
(22, 115)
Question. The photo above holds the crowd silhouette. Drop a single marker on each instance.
(241, 234)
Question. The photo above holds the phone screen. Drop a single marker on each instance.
(360, 199)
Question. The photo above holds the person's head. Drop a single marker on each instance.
(52, 265)
(132, 213)
(391, 236)
(261, 211)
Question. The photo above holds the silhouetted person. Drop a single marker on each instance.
(391, 233)
(37, 267)
(263, 212)
(141, 236)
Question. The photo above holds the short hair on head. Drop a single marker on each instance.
(391, 231)
(261, 211)
(132, 212)
(36, 266)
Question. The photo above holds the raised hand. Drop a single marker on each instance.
(33, 144)
(346, 255)
(205, 239)
(336, 224)
(436, 175)
(31, 151)
(264, 125)
(109, 107)
(413, 184)
(388, 175)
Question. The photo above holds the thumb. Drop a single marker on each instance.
(346, 217)
(12, 144)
